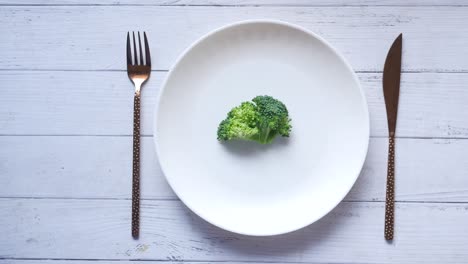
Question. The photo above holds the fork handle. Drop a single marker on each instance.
(136, 167)
(390, 199)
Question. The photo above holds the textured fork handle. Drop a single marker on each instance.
(390, 200)
(136, 167)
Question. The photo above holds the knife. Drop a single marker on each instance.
(391, 90)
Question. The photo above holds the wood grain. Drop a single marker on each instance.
(69, 103)
(121, 261)
(237, 3)
(99, 261)
(63, 40)
(98, 229)
(100, 167)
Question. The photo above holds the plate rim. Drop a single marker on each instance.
(179, 59)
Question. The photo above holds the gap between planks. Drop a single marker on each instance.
(234, 4)
(166, 71)
(136, 261)
(153, 260)
(178, 200)
(150, 136)
(72, 260)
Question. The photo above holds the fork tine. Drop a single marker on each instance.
(141, 51)
(135, 50)
(147, 51)
(129, 51)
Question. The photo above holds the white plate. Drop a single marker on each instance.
(246, 187)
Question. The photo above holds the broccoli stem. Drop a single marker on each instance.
(264, 135)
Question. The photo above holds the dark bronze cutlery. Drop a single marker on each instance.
(391, 89)
(139, 70)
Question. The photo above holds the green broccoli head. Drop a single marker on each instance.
(260, 120)
(240, 123)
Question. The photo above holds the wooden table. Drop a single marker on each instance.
(66, 125)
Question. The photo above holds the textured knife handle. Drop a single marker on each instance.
(390, 200)
(136, 168)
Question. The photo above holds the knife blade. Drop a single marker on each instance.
(391, 90)
(391, 82)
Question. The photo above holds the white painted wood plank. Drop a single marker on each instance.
(352, 233)
(78, 167)
(242, 2)
(119, 261)
(100, 167)
(62, 261)
(58, 37)
(101, 103)
(66, 261)
(83, 103)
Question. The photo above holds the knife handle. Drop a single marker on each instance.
(390, 199)
(136, 167)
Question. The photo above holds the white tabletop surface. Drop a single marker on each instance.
(66, 123)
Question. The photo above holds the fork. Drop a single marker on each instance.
(138, 71)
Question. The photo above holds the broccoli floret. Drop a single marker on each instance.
(260, 120)
(240, 123)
